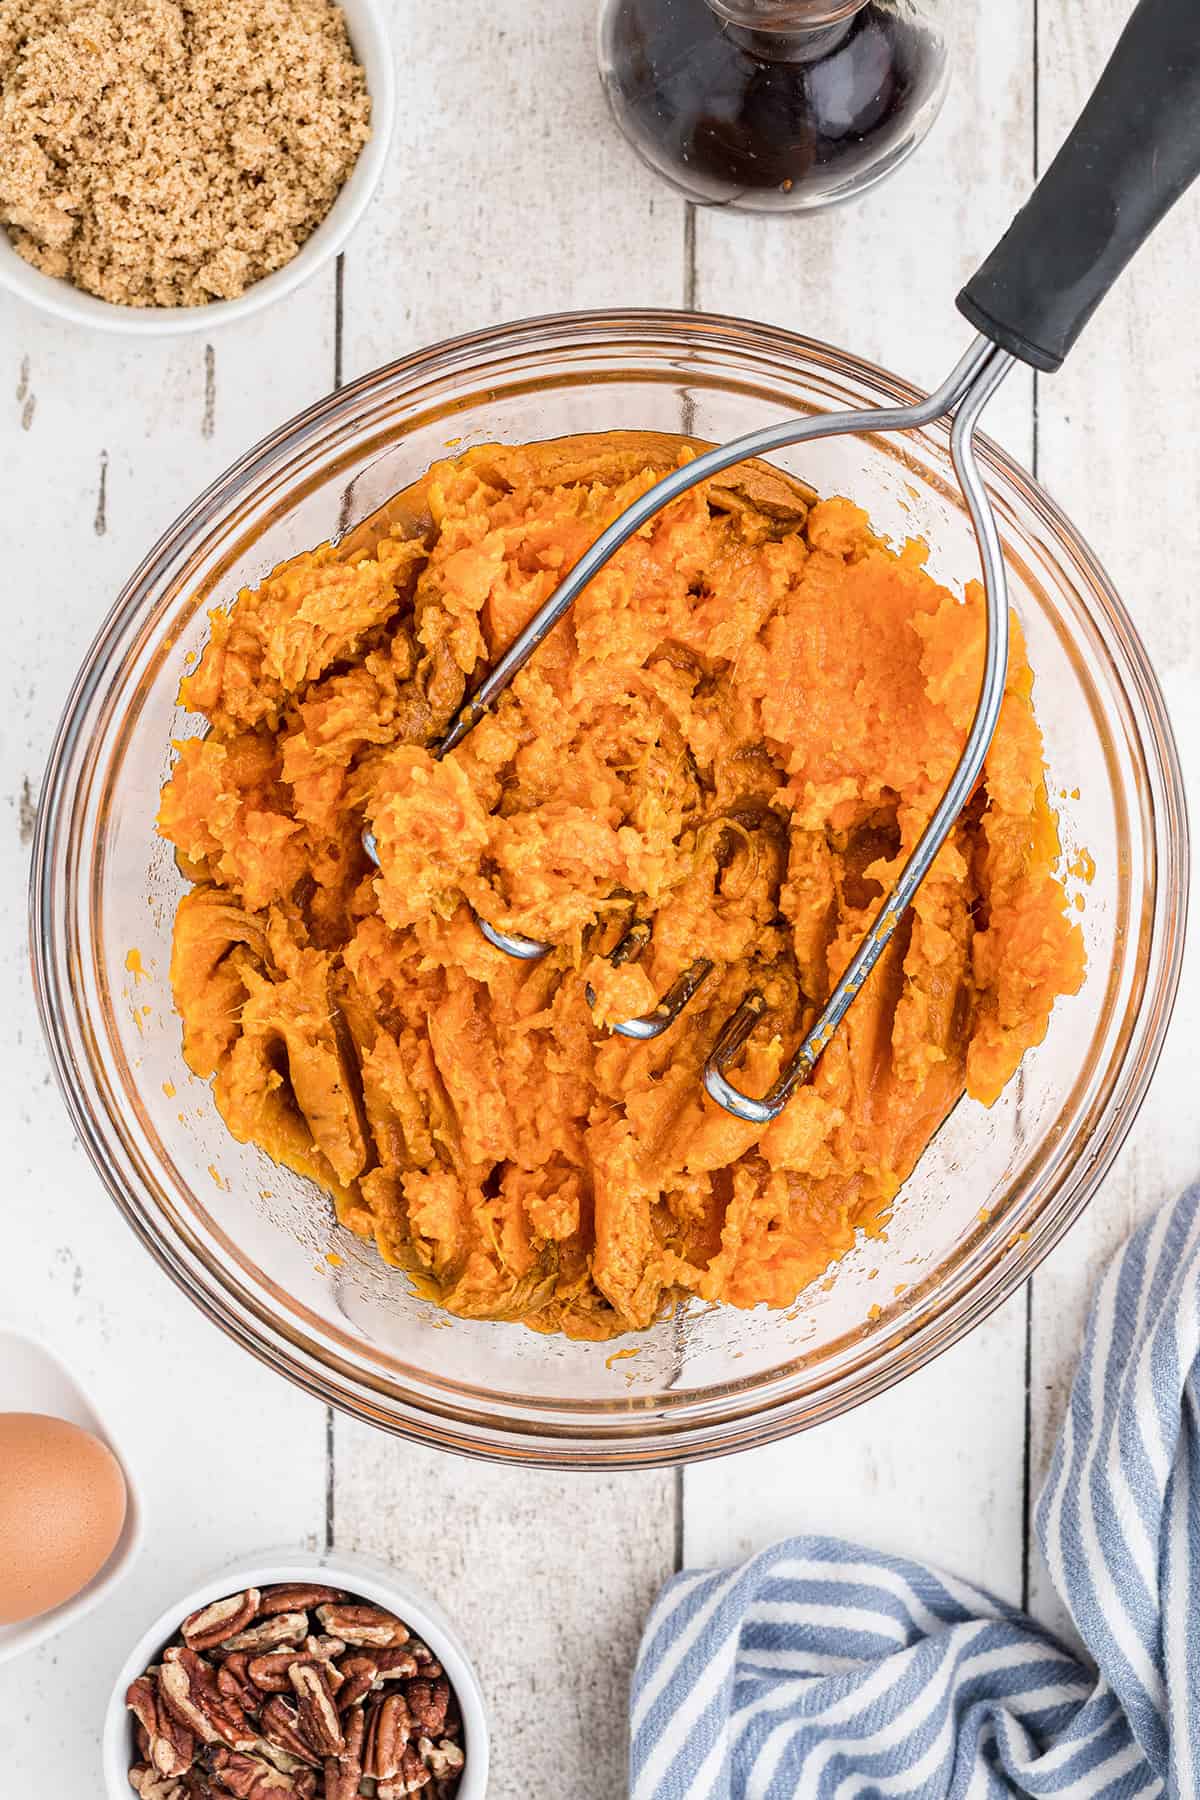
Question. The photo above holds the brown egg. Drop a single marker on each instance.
(62, 1506)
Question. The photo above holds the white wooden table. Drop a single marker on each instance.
(511, 194)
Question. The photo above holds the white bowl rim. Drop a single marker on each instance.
(53, 294)
(361, 1574)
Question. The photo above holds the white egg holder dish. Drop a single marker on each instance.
(365, 1577)
(32, 1379)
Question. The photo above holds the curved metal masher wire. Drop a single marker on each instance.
(987, 713)
(681, 990)
(968, 388)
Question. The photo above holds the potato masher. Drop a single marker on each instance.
(1131, 154)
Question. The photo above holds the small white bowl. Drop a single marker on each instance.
(367, 26)
(32, 1379)
(361, 1575)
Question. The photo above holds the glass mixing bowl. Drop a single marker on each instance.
(258, 1249)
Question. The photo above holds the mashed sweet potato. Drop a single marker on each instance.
(738, 735)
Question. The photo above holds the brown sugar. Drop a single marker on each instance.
(173, 152)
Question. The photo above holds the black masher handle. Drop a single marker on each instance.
(1133, 151)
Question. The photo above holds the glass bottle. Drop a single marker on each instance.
(773, 105)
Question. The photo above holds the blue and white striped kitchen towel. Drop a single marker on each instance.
(819, 1669)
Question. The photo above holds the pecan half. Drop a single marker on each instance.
(398, 1665)
(427, 1702)
(269, 1672)
(324, 1648)
(187, 1687)
(233, 1679)
(358, 1678)
(249, 1777)
(280, 1725)
(453, 1727)
(412, 1778)
(168, 1746)
(220, 1619)
(268, 1634)
(321, 1659)
(317, 1709)
(272, 1673)
(285, 1762)
(354, 1730)
(386, 1736)
(341, 1780)
(141, 1699)
(296, 1596)
(442, 1760)
(424, 1655)
(172, 1746)
(343, 1774)
(152, 1786)
(364, 1625)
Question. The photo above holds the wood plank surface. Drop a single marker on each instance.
(508, 192)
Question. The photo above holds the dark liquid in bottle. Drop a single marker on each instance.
(767, 118)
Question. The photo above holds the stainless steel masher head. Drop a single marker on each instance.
(1133, 151)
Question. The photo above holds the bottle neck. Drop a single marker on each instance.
(784, 16)
(798, 31)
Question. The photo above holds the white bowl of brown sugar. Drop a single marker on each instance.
(172, 165)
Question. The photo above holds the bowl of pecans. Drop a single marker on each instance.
(305, 1678)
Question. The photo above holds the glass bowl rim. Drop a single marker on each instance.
(555, 1440)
